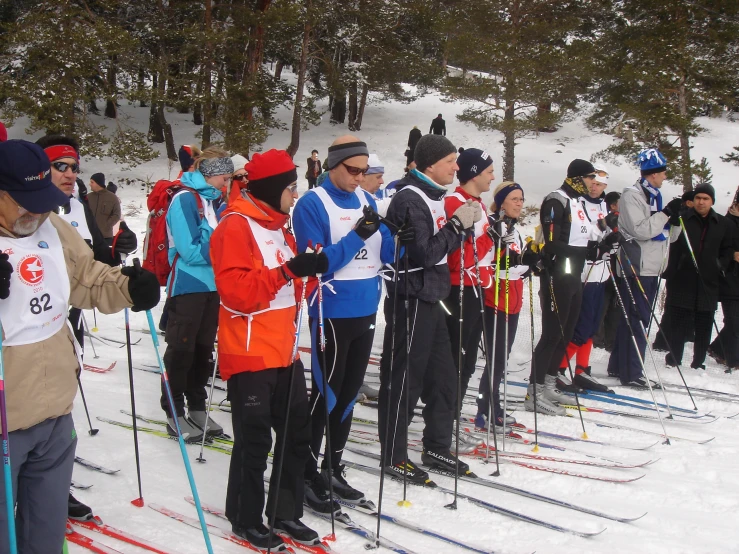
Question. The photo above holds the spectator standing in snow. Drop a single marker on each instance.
(690, 303)
(413, 137)
(728, 338)
(45, 267)
(438, 126)
(356, 245)
(192, 304)
(611, 312)
(648, 228)
(105, 206)
(258, 276)
(432, 377)
(314, 169)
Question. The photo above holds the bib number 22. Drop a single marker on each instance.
(41, 304)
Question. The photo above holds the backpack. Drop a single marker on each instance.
(156, 241)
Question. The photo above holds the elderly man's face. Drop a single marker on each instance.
(16, 219)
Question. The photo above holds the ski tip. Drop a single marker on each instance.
(406, 503)
(138, 502)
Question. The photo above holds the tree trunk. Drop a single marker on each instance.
(338, 106)
(509, 140)
(353, 104)
(111, 110)
(140, 87)
(362, 105)
(208, 81)
(543, 114)
(686, 171)
(156, 132)
(292, 148)
(93, 107)
(278, 69)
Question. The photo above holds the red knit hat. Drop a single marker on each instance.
(270, 174)
(3, 132)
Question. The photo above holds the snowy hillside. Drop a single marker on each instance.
(690, 492)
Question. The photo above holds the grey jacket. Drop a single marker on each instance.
(639, 225)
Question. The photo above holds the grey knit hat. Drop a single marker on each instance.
(430, 149)
(216, 166)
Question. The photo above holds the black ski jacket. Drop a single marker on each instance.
(729, 285)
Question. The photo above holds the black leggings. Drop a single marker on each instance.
(499, 360)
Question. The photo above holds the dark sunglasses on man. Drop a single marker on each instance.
(63, 166)
(355, 170)
(242, 177)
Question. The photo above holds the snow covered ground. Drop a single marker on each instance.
(691, 491)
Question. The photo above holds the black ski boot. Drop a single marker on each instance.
(316, 496)
(414, 474)
(78, 511)
(445, 461)
(344, 490)
(259, 536)
(297, 530)
(564, 383)
(588, 382)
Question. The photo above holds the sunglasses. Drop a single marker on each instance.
(293, 188)
(355, 170)
(242, 177)
(63, 166)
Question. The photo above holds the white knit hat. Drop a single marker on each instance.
(239, 161)
(375, 165)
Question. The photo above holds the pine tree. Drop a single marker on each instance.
(732, 157)
(702, 174)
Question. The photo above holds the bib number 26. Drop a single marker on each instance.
(40, 304)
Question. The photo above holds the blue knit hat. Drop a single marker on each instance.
(472, 162)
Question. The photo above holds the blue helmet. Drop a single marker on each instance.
(652, 161)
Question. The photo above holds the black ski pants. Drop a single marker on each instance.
(681, 324)
(726, 344)
(471, 331)
(498, 360)
(192, 323)
(259, 401)
(348, 348)
(431, 377)
(557, 317)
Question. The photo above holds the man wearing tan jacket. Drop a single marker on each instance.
(41, 363)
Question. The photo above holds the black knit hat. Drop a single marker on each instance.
(579, 168)
(99, 178)
(430, 149)
(705, 189)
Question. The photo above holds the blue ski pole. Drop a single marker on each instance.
(7, 474)
(170, 400)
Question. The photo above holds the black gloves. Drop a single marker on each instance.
(125, 241)
(502, 230)
(406, 234)
(368, 225)
(514, 258)
(307, 264)
(143, 286)
(612, 239)
(672, 210)
(530, 258)
(593, 251)
(611, 220)
(6, 268)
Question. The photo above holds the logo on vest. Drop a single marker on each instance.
(31, 270)
(74, 224)
(440, 221)
(345, 218)
(43, 244)
(581, 215)
(280, 257)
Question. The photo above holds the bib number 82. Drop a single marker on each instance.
(40, 304)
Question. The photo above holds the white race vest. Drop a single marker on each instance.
(579, 223)
(275, 252)
(366, 263)
(76, 218)
(595, 272)
(39, 287)
(438, 215)
(481, 227)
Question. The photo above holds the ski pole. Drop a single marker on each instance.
(138, 502)
(491, 419)
(383, 449)
(531, 311)
(94, 312)
(324, 380)
(505, 345)
(180, 440)
(278, 467)
(488, 369)
(207, 412)
(92, 343)
(646, 337)
(653, 317)
(92, 431)
(406, 382)
(7, 474)
(460, 361)
(638, 354)
(703, 284)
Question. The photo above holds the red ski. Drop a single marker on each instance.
(86, 542)
(96, 369)
(99, 527)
